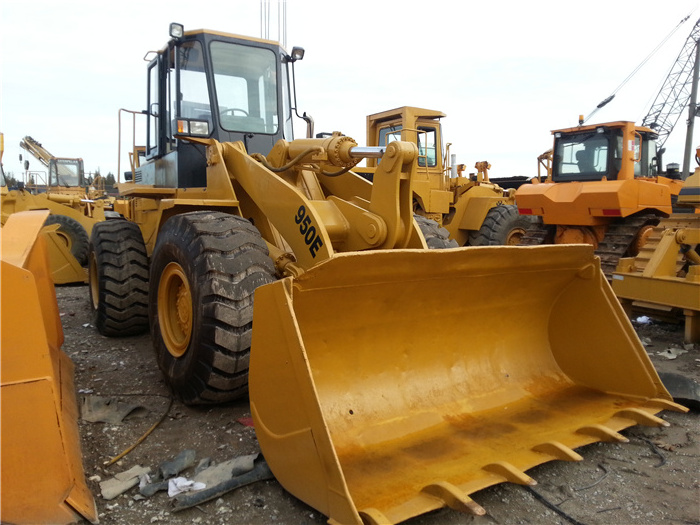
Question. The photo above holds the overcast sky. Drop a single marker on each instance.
(505, 72)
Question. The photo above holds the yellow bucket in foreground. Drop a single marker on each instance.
(387, 384)
(42, 471)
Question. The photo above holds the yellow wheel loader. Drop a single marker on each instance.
(265, 265)
(473, 210)
(665, 275)
(74, 207)
(42, 473)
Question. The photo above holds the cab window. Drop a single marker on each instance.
(245, 80)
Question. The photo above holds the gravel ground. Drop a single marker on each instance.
(653, 479)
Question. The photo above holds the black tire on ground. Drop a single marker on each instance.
(73, 234)
(502, 226)
(118, 278)
(204, 270)
(436, 237)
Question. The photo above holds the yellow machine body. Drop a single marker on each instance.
(596, 202)
(73, 206)
(591, 186)
(371, 402)
(602, 188)
(42, 473)
(665, 275)
(390, 412)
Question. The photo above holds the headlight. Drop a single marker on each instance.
(199, 128)
(176, 30)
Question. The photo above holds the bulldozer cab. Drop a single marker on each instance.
(212, 85)
(616, 151)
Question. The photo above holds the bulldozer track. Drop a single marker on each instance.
(538, 233)
(617, 240)
(614, 245)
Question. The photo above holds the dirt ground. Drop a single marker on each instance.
(653, 479)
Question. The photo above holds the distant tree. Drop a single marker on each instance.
(10, 179)
(110, 181)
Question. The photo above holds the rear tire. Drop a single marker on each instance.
(436, 237)
(118, 278)
(502, 226)
(204, 271)
(73, 234)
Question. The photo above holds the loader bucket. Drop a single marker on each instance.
(63, 265)
(42, 474)
(387, 384)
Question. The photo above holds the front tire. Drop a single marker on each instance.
(204, 271)
(436, 237)
(118, 278)
(503, 226)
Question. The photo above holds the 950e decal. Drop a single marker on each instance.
(308, 230)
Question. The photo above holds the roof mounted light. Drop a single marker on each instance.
(297, 54)
(177, 31)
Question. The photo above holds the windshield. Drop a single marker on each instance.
(426, 142)
(587, 156)
(64, 172)
(245, 81)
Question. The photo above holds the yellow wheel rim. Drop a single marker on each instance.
(94, 282)
(175, 309)
(514, 236)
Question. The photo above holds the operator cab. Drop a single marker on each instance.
(593, 152)
(213, 85)
(68, 173)
(426, 140)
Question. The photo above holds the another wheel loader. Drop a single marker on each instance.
(474, 210)
(75, 208)
(244, 249)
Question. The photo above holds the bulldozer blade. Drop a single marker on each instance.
(42, 474)
(387, 384)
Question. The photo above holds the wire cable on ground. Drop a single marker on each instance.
(552, 506)
(116, 458)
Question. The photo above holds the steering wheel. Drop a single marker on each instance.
(233, 110)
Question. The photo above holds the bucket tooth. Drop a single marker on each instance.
(641, 417)
(509, 472)
(454, 498)
(666, 405)
(558, 450)
(602, 433)
(374, 517)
